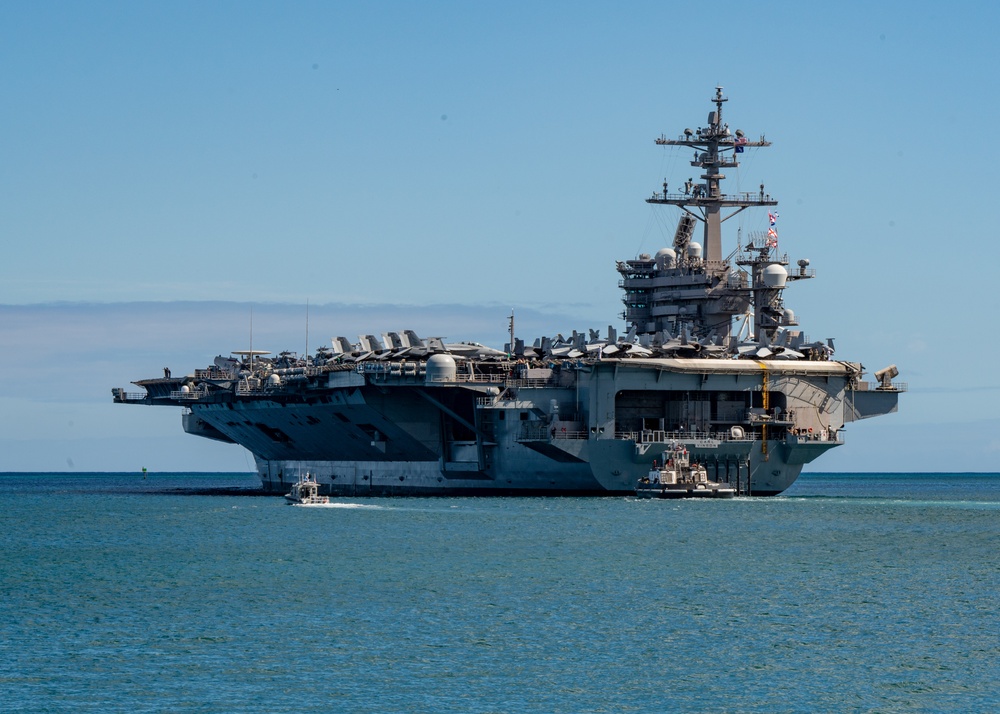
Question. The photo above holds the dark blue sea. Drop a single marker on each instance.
(183, 592)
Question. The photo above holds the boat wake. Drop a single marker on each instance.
(341, 505)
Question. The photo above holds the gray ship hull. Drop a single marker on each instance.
(573, 429)
(372, 478)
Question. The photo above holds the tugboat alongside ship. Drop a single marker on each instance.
(680, 478)
(710, 360)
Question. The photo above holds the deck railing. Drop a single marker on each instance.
(877, 387)
(542, 431)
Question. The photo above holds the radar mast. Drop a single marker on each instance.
(689, 292)
(715, 148)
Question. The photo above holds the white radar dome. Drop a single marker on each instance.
(694, 250)
(774, 276)
(274, 380)
(441, 368)
(665, 258)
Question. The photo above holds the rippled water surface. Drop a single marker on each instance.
(183, 592)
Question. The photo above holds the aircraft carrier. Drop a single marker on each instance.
(708, 358)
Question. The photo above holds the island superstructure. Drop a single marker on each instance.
(709, 358)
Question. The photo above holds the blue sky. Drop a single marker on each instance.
(169, 165)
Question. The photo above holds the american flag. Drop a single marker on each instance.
(773, 217)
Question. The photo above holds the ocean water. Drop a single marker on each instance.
(182, 592)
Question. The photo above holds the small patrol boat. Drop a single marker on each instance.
(305, 492)
(679, 478)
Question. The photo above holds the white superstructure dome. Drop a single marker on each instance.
(666, 258)
(774, 276)
(441, 368)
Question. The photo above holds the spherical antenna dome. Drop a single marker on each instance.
(774, 276)
(694, 249)
(441, 368)
(666, 258)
